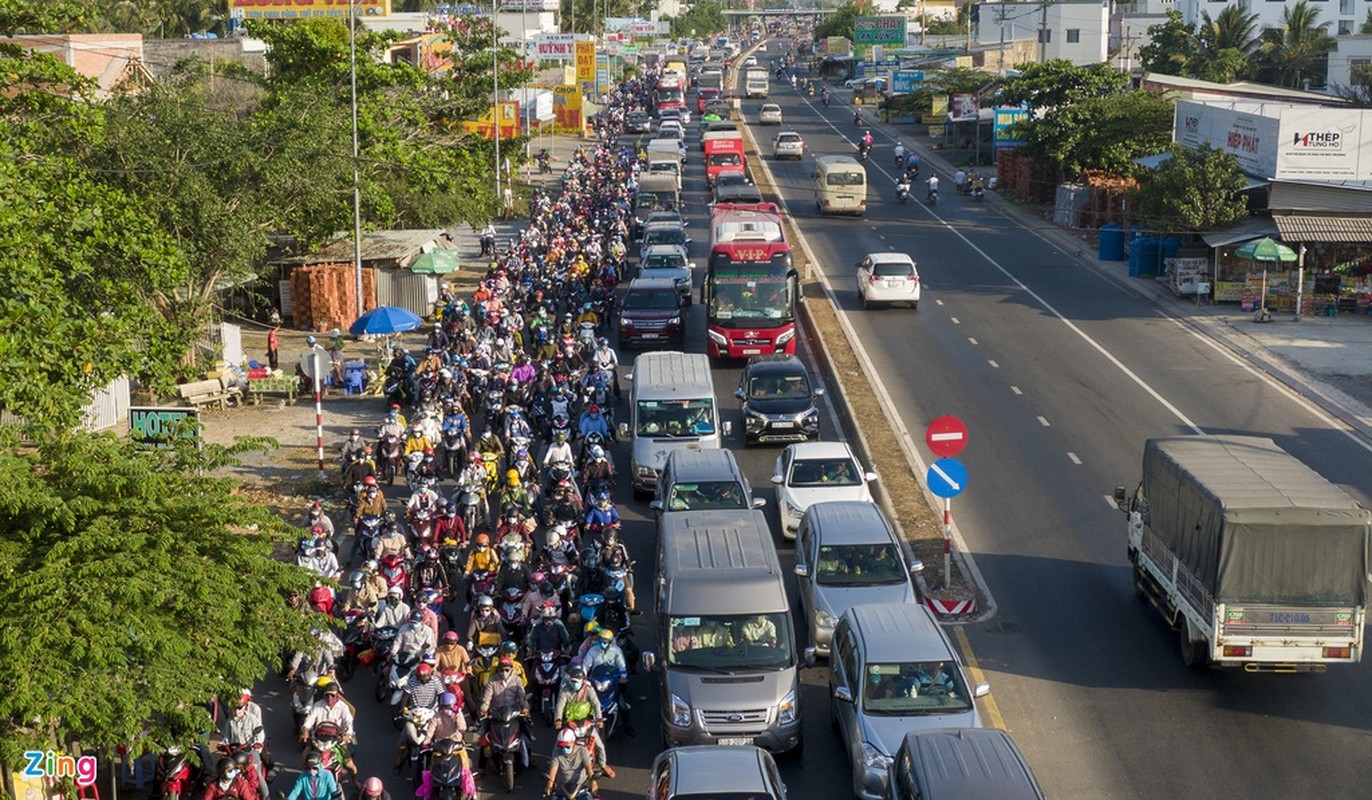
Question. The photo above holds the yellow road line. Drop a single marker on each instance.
(970, 660)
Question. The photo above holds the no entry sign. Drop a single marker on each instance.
(946, 436)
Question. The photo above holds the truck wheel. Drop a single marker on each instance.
(1193, 652)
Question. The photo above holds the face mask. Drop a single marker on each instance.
(575, 685)
(506, 671)
(604, 644)
(565, 750)
(231, 774)
(314, 770)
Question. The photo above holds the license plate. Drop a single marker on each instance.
(650, 336)
(744, 742)
(783, 424)
(751, 351)
(895, 284)
(847, 198)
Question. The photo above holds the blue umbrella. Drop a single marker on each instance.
(385, 319)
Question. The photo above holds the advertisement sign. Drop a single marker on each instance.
(148, 425)
(585, 61)
(938, 105)
(1005, 119)
(1249, 137)
(879, 30)
(528, 5)
(903, 80)
(838, 46)
(556, 45)
(963, 106)
(296, 9)
(1323, 143)
(508, 111)
(643, 28)
(567, 115)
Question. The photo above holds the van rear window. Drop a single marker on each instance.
(845, 179)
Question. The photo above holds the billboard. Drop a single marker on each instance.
(555, 45)
(963, 107)
(838, 46)
(567, 114)
(585, 61)
(1247, 136)
(509, 121)
(152, 425)
(879, 30)
(528, 5)
(903, 80)
(1005, 119)
(298, 9)
(1324, 144)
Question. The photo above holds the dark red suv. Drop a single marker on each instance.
(651, 316)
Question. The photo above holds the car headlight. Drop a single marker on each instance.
(787, 712)
(757, 415)
(874, 758)
(792, 509)
(786, 336)
(681, 712)
(825, 619)
(644, 472)
(811, 415)
(674, 321)
(717, 337)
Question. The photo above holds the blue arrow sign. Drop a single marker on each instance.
(946, 478)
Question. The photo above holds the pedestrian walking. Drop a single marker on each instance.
(507, 199)
(273, 348)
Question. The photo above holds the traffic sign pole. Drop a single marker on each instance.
(947, 540)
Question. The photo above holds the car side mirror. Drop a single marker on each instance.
(688, 241)
(1119, 497)
(690, 265)
(818, 393)
(842, 693)
(656, 505)
(623, 430)
(776, 479)
(801, 571)
(871, 477)
(648, 661)
(759, 502)
(728, 428)
(916, 566)
(740, 394)
(981, 690)
(809, 654)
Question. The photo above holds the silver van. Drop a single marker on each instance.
(961, 764)
(708, 771)
(893, 670)
(671, 407)
(703, 480)
(847, 554)
(725, 644)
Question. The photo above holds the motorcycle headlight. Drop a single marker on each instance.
(787, 712)
(874, 758)
(681, 712)
(786, 337)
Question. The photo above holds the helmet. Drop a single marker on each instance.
(482, 538)
(416, 616)
(605, 633)
(373, 787)
(592, 627)
(371, 566)
(549, 611)
(312, 760)
(370, 480)
(447, 700)
(576, 671)
(428, 452)
(508, 647)
(416, 430)
(425, 669)
(366, 451)
(512, 478)
(506, 661)
(539, 576)
(395, 591)
(485, 601)
(450, 636)
(566, 737)
(595, 409)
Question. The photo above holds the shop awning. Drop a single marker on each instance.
(1243, 231)
(1319, 228)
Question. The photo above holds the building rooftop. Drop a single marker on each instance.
(1239, 89)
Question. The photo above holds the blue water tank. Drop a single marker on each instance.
(1170, 246)
(1111, 242)
(1149, 253)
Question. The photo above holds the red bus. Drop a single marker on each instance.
(670, 94)
(750, 284)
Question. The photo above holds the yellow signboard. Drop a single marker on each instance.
(509, 121)
(585, 61)
(295, 9)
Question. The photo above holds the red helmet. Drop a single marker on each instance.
(370, 480)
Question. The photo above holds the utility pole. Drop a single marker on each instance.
(968, 6)
(1001, 15)
(922, 23)
(357, 178)
(1043, 32)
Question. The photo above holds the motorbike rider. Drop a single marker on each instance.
(541, 593)
(229, 784)
(392, 542)
(504, 690)
(900, 155)
(933, 185)
(370, 503)
(421, 691)
(330, 708)
(960, 182)
(549, 632)
(417, 442)
(560, 451)
(569, 771)
(352, 448)
(438, 338)
(415, 639)
(490, 443)
(449, 722)
(316, 518)
(473, 478)
(361, 468)
(484, 620)
(606, 652)
(393, 611)
(371, 590)
(598, 468)
(513, 573)
(315, 782)
(319, 659)
(517, 493)
(482, 558)
(393, 425)
(242, 731)
(487, 237)
(563, 505)
(424, 500)
(605, 360)
(592, 421)
(451, 656)
(577, 701)
(321, 561)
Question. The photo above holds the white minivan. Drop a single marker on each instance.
(671, 407)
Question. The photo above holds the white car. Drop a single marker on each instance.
(762, 48)
(814, 472)
(888, 278)
(750, 61)
(788, 144)
(769, 114)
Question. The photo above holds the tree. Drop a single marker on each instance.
(1100, 133)
(1358, 92)
(1225, 45)
(1195, 190)
(1170, 47)
(136, 587)
(705, 18)
(1059, 82)
(841, 22)
(1298, 50)
(1366, 26)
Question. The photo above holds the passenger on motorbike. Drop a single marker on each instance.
(605, 652)
(230, 784)
(393, 425)
(592, 421)
(329, 709)
(393, 611)
(577, 702)
(417, 442)
(547, 632)
(415, 639)
(352, 448)
(362, 468)
(369, 594)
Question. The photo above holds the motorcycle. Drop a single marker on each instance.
(504, 739)
(392, 567)
(978, 193)
(547, 679)
(544, 164)
(471, 507)
(605, 680)
(903, 191)
(864, 150)
(487, 244)
(454, 451)
(367, 532)
(357, 639)
(390, 688)
(932, 197)
(479, 582)
(510, 609)
(173, 775)
(327, 740)
(389, 458)
(417, 743)
(449, 772)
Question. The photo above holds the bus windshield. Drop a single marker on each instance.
(669, 95)
(751, 302)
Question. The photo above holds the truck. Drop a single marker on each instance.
(1255, 559)
(723, 151)
(755, 82)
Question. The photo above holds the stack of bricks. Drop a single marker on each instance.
(324, 296)
(1110, 200)
(1020, 175)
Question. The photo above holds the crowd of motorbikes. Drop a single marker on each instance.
(507, 545)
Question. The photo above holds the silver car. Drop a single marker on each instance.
(892, 671)
(788, 144)
(668, 261)
(848, 555)
(888, 278)
(770, 114)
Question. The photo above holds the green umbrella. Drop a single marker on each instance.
(1267, 249)
(436, 262)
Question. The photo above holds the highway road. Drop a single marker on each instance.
(1060, 374)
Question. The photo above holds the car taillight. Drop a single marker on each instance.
(1237, 651)
(1338, 652)
(874, 278)
(914, 278)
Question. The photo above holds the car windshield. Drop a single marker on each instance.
(753, 298)
(663, 261)
(771, 109)
(651, 299)
(724, 160)
(664, 236)
(706, 495)
(914, 689)
(788, 138)
(824, 472)
(735, 641)
(778, 387)
(676, 418)
(859, 565)
(731, 178)
(892, 269)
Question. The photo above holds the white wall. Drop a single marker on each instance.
(1345, 15)
(1351, 50)
(1085, 21)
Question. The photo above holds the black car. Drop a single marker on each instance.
(638, 122)
(737, 193)
(777, 400)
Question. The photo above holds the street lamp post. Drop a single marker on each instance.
(357, 179)
(495, 100)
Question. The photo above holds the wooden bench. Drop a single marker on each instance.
(217, 392)
(278, 387)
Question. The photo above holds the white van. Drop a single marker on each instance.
(840, 185)
(671, 407)
(665, 162)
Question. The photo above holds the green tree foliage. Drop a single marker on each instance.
(1366, 26)
(1195, 190)
(1059, 82)
(841, 22)
(1170, 47)
(1100, 133)
(1299, 49)
(134, 588)
(1358, 93)
(1231, 29)
(588, 16)
(701, 19)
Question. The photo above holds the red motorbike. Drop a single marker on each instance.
(393, 570)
